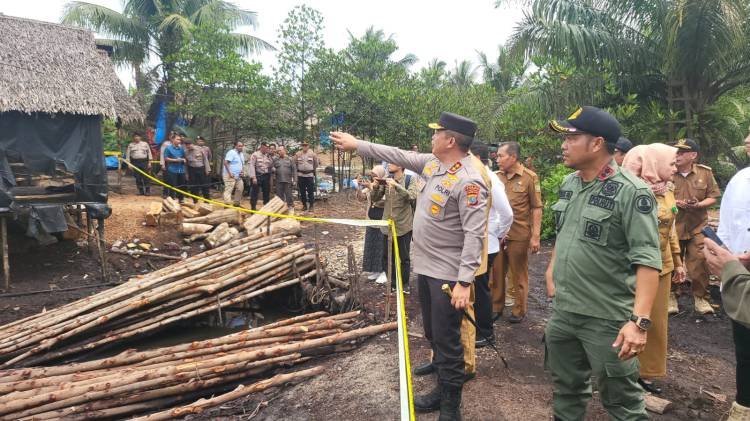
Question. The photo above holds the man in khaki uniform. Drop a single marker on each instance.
(259, 173)
(307, 162)
(139, 154)
(450, 243)
(695, 190)
(525, 197)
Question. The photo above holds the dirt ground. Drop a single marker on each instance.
(364, 383)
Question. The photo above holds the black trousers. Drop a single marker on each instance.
(199, 181)
(404, 244)
(483, 301)
(264, 183)
(741, 335)
(306, 186)
(140, 180)
(176, 180)
(442, 327)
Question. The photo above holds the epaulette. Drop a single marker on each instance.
(704, 167)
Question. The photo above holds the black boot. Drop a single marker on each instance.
(424, 369)
(450, 402)
(429, 402)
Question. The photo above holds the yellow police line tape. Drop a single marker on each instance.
(405, 380)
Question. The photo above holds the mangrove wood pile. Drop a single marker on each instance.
(139, 382)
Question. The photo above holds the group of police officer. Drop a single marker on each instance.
(603, 277)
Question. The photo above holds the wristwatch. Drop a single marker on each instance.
(465, 284)
(642, 322)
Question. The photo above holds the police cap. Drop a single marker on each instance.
(456, 123)
(687, 145)
(589, 120)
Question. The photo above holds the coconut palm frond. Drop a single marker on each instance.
(103, 20)
(248, 44)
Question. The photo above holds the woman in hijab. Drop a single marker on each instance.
(655, 164)
(372, 258)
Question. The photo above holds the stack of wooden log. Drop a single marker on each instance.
(138, 382)
(216, 226)
(230, 274)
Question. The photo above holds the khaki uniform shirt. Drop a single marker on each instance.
(605, 228)
(259, 164)
(285, 170)
(450, 222)
(163, 146)
(698, 185)
(196, 157)
(140, 150)
(524, 194)
(668, 241)
(306, 163)
(397, 205)
(735, 291)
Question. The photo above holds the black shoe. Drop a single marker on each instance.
(424, 369)
(649, 386)
(496, 316)
(483, 342)
(429, 402)
(515, 319)
(469, 377)
(450, 402)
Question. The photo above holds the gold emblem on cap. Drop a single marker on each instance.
(575, 114)
(681, 142)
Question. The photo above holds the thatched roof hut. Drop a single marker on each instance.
(51, 68)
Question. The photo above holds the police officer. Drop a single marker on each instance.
(450, 242)
(307, 163)
(285, 174)
(603, 275)
(139, 154)
(259, 173)
(695, 190)
(622, 147)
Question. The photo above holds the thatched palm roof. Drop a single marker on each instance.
(51, 68)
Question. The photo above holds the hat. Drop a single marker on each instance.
(304, 142)
(687, 145)
(200, 138)
(590, 120)
(456, 123)
(623, 144)
(186, 139)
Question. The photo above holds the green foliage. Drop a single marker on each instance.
(550, 188)
(212, 82)
(110, 138)
(301, 37)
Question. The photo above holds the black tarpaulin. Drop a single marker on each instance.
(44, 142)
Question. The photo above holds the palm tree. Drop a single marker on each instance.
(463, 75)
(650, 45)
(373, 51)
(505, 73)
(158, 28)
(434, 74)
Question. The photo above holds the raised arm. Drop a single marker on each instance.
(410, 160)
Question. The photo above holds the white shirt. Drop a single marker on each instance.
(734, 214)
(501, 214)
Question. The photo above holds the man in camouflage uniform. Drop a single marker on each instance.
(696, 190)
(450, 243)
(603, 275)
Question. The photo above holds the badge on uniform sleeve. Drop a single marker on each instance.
(644, 203)
(472, 194)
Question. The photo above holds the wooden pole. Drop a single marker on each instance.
(101, 246)
(6, 264)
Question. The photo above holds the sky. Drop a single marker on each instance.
(449, 30)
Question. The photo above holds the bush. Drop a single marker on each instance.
(550, 187)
